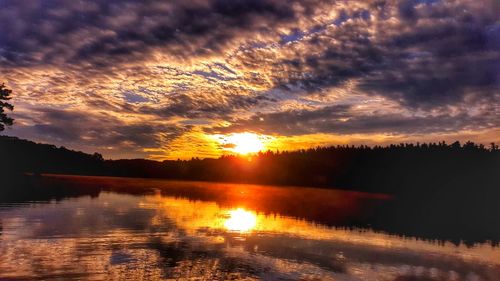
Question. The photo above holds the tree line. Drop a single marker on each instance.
(443, 191)
(388, 169)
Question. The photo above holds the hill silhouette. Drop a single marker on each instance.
(23, 156)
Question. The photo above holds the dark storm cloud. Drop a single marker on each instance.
(341, 119)
(103, 32)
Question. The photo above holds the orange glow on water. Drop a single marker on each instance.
(251, 225)
(240, 220)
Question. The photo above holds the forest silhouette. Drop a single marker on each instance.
(395, 169)
(442, 191)
(447, 192)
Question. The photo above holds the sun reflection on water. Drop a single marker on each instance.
(240, 220)
(157, 236)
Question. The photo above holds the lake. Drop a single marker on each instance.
(102, 228)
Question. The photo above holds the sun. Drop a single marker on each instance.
(245, 143)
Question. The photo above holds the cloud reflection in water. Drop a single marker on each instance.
(162, 237)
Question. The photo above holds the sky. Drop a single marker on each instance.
(179, 79)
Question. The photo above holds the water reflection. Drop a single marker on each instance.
(165, 237)
(240, 220)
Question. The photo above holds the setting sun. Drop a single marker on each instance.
(245, 143)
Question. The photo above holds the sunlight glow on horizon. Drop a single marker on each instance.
(199, 144)
(123, 85)
(244, 143)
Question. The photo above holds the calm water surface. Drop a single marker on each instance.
(207, 231)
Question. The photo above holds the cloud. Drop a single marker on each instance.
(209, 106)
(98, 131)
(420, 53)
(153, 74)
(345, 120)
(107, 32)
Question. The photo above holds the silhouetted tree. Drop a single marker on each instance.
(404, 169)
(5, 96)
(22, 156)
(439, 190)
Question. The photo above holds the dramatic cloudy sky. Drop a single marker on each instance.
(175, 79)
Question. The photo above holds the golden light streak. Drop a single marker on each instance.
(240, 220)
